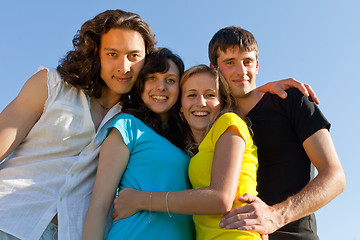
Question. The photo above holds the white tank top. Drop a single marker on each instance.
(53, 169)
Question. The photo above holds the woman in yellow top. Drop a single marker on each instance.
(223, 166)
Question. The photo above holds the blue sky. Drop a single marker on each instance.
(316, 42)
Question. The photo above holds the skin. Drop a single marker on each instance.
(329, 182)
(122, 55)
(199, 93)
(240, 69)
(114, 154)
(161, 91)
(199, 103)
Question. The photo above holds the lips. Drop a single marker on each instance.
(122, 79)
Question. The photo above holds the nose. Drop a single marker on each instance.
(241, 69)
(202, 101)
(161, 84)
(124, 65)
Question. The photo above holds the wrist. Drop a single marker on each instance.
(143, 198)
(283, 213)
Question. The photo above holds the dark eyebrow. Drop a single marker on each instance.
(115, 50)
(111, 49)
(228, 59)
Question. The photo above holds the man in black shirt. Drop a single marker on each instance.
(290, 134)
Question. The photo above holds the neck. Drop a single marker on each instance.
(246, 103)
(108, 100)
(198, 136)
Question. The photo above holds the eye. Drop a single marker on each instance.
(134, 56)
(210, 95)
(112, 54)
(191, 95)
(150, 77)
(248, 62)
(171, 80)
(229, 63)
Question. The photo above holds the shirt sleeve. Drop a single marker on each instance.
(305, 115)
(227, 120)
(126, 125)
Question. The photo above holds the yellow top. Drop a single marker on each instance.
(207, 226)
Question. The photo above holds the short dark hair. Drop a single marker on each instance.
(231, 37)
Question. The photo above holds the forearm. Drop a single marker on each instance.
(194, 201)
(94, 225)
(13, 129)
(319, 192)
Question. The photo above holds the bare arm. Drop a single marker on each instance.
(113, 159)
(279, 87)
(17, 119)
(329, 183)
(214, 199)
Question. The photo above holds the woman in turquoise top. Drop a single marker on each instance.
(142, 151)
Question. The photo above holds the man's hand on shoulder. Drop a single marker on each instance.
(279, 87)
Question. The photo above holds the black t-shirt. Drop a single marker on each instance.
(280, 126)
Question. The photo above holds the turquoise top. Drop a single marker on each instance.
(154, 165)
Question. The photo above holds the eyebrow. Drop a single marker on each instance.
(115, 50)
(195, 90)
(228, 59)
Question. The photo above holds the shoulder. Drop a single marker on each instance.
(229, 118)
(124, 117)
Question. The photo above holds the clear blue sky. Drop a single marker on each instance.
(317, 42)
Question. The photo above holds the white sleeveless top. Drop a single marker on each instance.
(53, 169)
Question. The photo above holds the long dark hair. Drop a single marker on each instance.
(157, 61)
(81, 66)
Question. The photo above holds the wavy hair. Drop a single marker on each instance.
(227, 102)
(81, 66)
(157, 62)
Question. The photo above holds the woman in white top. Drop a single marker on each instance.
(51, 132)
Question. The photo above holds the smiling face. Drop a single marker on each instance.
(161, 91)
(200, 102)
(122, 55)
(239, 68)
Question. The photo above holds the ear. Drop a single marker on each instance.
(211, 65)
(257, 67)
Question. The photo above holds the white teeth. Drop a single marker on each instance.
(159, 97)
(200, 113)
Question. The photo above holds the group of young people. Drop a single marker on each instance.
(121, 119)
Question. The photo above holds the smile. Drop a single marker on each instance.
(159, 97)
(200, 113)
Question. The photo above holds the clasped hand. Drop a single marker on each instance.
(125, 205)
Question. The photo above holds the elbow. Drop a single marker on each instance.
(223, 203)
(338, 181)
(341, 181)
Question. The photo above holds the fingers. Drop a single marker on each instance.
(278, 90)
(312, 94)
(247, 198)
(115, 217)
(299, 85)
(237, 217)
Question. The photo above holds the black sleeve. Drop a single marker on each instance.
(305, 115)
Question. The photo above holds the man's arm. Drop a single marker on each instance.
(17, 119)
(330, 182)
(279, 87)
